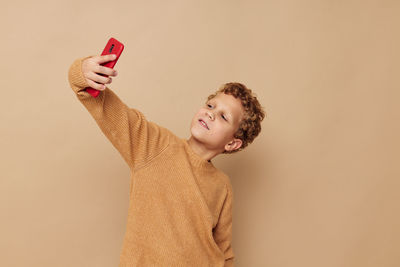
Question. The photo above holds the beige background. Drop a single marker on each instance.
(318, 187)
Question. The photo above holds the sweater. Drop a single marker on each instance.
(180, 205)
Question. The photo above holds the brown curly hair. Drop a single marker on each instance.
(250, 126)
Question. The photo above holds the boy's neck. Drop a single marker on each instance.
(201, 150)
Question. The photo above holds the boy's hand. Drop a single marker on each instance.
(94, 72)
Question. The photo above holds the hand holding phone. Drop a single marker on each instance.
(112, 47)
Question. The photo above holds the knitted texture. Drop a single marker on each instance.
(180, 205)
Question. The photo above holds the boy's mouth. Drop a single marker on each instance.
(204, 124)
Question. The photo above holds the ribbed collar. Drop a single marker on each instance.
(196, 159)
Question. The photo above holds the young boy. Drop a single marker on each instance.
(180, 205)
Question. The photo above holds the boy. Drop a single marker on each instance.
(180, 205)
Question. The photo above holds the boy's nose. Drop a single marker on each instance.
(210, 115)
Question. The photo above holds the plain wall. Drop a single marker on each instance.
(318, 187)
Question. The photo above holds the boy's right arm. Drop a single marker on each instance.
(135, 138)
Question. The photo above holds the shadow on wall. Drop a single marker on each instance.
(246, 169)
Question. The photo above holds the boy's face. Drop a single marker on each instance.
(217, 121)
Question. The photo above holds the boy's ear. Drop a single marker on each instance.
(233, 145)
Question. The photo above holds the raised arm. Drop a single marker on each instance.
(135, 138)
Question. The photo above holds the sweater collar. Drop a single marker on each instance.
(196, 159)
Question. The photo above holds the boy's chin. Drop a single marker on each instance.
(205, 140)
(199, 137)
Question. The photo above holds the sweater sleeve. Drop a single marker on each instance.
(223, 230)
(136, 139)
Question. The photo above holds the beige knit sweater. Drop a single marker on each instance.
(180, 205)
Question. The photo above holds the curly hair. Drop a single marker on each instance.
(250, 126)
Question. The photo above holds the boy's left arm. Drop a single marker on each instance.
(223, 230)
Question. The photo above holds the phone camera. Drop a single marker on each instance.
(111, 48)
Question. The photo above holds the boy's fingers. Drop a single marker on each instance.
(97, 78)
(106, 70)
(105, 58)
(96, 86)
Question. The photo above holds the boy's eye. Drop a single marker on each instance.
(209, 105)
(223, 117)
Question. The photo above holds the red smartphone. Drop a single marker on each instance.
(112, 47)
